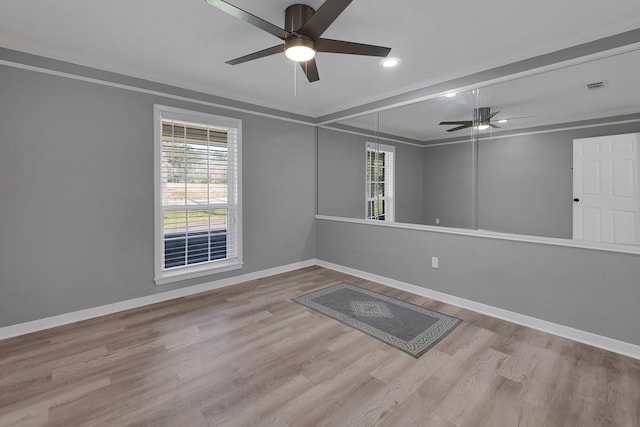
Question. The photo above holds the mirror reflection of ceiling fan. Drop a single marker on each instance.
(481, 120)
(303, 27)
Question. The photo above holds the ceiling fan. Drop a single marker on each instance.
(303, 27)
(481, 120)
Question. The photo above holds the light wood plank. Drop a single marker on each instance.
(247, 355)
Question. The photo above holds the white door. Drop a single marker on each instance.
(606, 204)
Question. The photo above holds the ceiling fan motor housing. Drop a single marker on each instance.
(296, 15)
(481, 115)
(294, 18)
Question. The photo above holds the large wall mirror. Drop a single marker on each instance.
(553, 154)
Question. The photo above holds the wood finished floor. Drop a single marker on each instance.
(248, 356)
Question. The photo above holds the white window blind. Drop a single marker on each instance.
(380, 189)
(198, 218)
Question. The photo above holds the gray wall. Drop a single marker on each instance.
(341, 177)
(448, 185)
(589, 290)
(409, 185)
(525, 185)
(76, 194)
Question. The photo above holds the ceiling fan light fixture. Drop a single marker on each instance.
(482, 126)
(303, 28)
(299, 49)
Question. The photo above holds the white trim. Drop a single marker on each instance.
(490, 137)
(601, 54)
(153, 92)
(583, 59)
(368, 135)
(597, 246)
(233, 206)
(376, 146)
(487, 137)
(560, 65)
(609, 344)
(197, 270)
(90, 313)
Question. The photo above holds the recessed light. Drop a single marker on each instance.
(503, 121)
(390, 62)
(451, 95)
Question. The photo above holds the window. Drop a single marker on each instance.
(197, 194)
(379, 185)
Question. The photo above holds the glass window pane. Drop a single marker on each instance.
(175, 222)
(174, 233)
(218, 174)
(174, 252)
(197, 174)
(198, 220)
(173, 173)
(219, 219)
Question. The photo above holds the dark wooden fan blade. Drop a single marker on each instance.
(465, 126)
(339, 46)
(259, 54)
(494, 126)
(515, 118)
(324, 16)
(251, 19)
(461, 122)
(310, 70)
(492, 115)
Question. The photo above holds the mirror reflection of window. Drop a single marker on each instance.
(380, 182)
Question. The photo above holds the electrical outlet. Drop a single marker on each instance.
(434, 262)
(437, 221)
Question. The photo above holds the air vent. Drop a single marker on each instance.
(595, 85)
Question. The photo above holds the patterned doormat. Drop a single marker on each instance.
(405, 326)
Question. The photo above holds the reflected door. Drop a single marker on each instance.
(606, 204)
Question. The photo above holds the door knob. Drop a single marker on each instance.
(576, 200)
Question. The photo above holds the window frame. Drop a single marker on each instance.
(173, 274)
(389, 181)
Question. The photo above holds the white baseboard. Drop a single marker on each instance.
(609, 344)
(589, 338)
(89, 313)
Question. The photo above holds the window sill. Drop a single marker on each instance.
(171, 276)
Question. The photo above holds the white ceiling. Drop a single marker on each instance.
(552, 97)
(185, 43)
